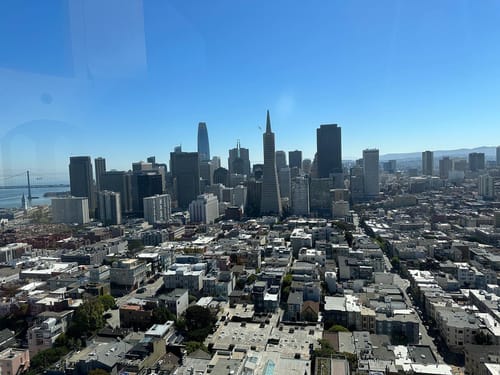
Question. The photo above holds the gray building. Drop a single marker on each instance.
(100, 169)
(239, 160)
(119, 182)
(70, 210)
(280, 160)
(427, 163)
(295, 159)
(271, 200)
(81, 180)
(371, 173)
(329, 150)
(186, 172)
(203, 144)
(109, 206)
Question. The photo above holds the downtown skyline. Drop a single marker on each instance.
(401, 78)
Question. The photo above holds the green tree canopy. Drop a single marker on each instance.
(88, 318)
(107, 301)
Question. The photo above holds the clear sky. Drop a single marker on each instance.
(129, 79)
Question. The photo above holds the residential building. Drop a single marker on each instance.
(109, 206)
(157, 209)
(205, 209)
(14, 361)
(70, 210)
(128, 273)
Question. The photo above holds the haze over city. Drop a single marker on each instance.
(135, 78)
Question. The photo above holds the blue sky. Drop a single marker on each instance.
(129, 79)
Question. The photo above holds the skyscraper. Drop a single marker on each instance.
(371, 173)
(239, 160)
(329, 150)
(271, 201)
(280, 160)
(300, 196)
(295, 159)
(120, 182)
(186, 172)
(203, 145)
(100, 169)
(81, 180)
(476, 161)
(445, 166)
(427, 163)
(110, 212)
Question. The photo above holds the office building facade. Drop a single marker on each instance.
(371, 173)
(271, 200)
(329, 150)
(295, 159)
(427, 163)
(186, 173)
(203, 144)
(81, 180)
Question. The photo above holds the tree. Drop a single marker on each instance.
(192, 346)
(88, 318)
(251, 279)
(161, 315)
(199, 323)
(337, 328)
(107, 301)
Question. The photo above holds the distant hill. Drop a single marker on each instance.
(489, 152)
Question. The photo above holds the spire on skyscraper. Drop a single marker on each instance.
(268, 123)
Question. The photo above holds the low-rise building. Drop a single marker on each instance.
(14, 361)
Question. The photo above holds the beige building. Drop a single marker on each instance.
(14, 361)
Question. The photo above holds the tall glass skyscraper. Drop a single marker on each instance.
(203, 145)
(271, 201)
(329, 150)
(81, 180)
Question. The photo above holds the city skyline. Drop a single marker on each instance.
(425, 72)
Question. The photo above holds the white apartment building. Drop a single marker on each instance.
(157, 209)
(205, 209)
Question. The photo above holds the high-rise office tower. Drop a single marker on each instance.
(280, 160)
(427, 163)
(476, 161)
(100, 169)
(203, 145)
(371, 173)
(186, 172)
(239, 160)
(329, 150)
(145, 184)
(486, 186)
(221, 176)
(300, 196)
(284, 179)
(271, 201)
(389, 166)
(445, 167)
(306, 166)
(119, 182)
(295, 159)
(109, 204)
(81, 180)
(215, 162)
(357, 184)
(498, 155)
